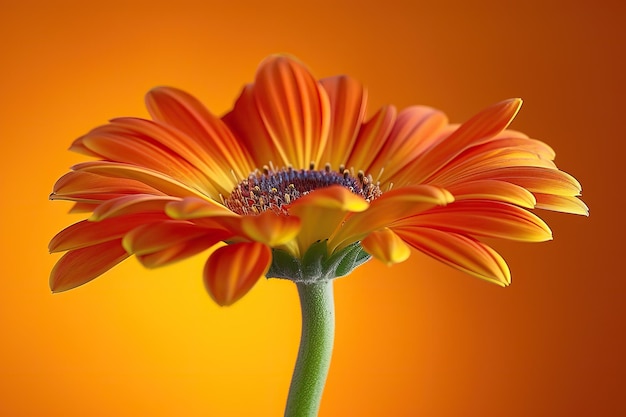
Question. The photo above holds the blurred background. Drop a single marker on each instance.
(416, 339)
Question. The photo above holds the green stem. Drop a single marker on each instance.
(316, 347)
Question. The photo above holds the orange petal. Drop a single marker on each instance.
(493, 190)
(511, 139)
(157, 180)
(88, 187)
(386, 246)
(347, 105)
(534, 179)
(564, 204)
(270, 228)
(460, 252)
(371, 139)
(83, 207)
(131, 204)
(231, 271)
(157, 237)
(481, 127)
(294, 109)
(183, 111)
(387, 209)
(414, 131)
(246, 123)
(195, 208)
(87, 233)
(474, 164)
(322, 211)
(126, 144)
(80, 266)
(175, 252)
(483, 218)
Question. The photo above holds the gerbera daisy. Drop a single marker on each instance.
(294, 182)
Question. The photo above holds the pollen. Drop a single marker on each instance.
(272, 189)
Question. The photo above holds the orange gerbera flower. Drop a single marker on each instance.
(295, 183)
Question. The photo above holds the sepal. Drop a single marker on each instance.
(316, 264)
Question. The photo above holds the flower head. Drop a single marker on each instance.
(295, 182)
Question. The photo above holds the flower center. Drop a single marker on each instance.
(272, 189)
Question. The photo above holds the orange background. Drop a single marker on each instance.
(416, 339)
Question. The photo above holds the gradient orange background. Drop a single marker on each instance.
(417, 339)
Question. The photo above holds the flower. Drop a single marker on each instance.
(295, 182)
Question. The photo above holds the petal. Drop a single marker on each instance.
(483, 218)
(460, 252)
(246, 123)
(322, 211)
(131, 204)
(479, 128)
(534, 179)
(294, 109)
(88, 233)
(157, 237)
(564, 204)
(386, 246)
(493, 190)
(194, 208)
(157, 180)
(183, 111)
(137, 142)
(512, 139)
(80, 266)
(175, 252)
(371, 139)
(392, 206)
(475, 161)
(414, 131)
(231, 271)
(83, 207)
(270, 228)
(348, 101)
(88, 187)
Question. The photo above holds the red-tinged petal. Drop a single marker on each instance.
(80, 266)
(460, 252)
(371, 138)
(246, 123)
(114, 144)
(386, 246)
(157, 180)
(348, 101)
(194, 208)
(183, 111)
(131, 204)
(483, 218)
(270, 228)
(564, 204)
(414, 132)
(160, 236)
(93, 188)
(175, 252)
(294, 109)
(392, 206)
(492, 190)
(479, 128)
(231, 271)
(87, 233)
(201, 157)
(322, 211)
